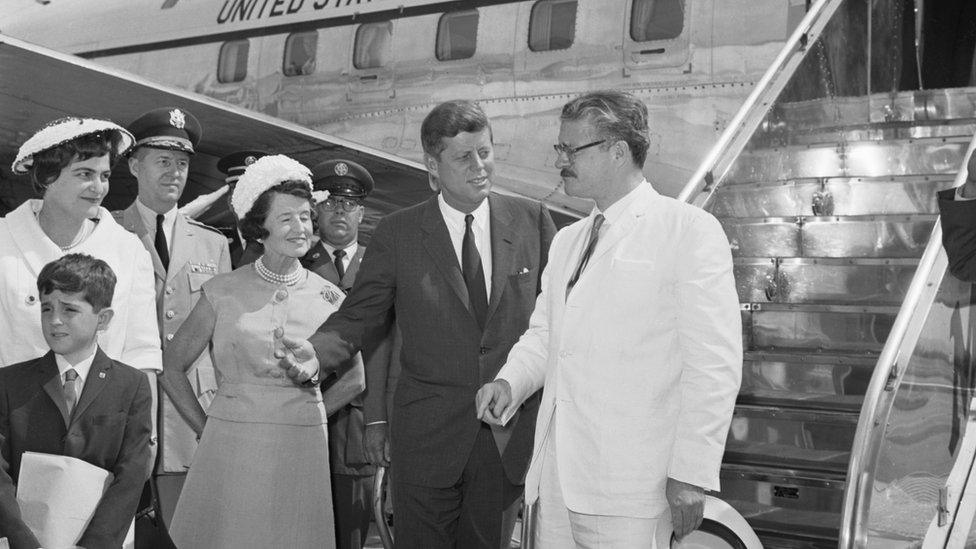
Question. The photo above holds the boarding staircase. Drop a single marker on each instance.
(827, 224)
(847, 423)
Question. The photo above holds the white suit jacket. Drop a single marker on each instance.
(640, 365)
(132, 337)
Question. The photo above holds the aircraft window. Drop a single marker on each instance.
(300, 53)
(373, 41)
(656, 20)
(457, 35)
(232, 61)
(552, 25)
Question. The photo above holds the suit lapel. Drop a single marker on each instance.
(97, 378)
(132, 222)
(350, 274)
(181, 245)
(437, 242)
(502, 252)
(49, 378)
(619, 229)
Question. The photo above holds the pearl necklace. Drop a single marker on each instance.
(268, 275)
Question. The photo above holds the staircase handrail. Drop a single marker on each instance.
(887, 375)
(760, 100)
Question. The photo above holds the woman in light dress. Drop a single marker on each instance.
(260, 477)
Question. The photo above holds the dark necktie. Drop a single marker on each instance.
(474, 275)
(70, 390)
(339, 254)
(587, 252)
(160, 242)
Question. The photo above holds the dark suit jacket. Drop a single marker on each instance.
(411, 267)
(959, 234)
(110, 428)
(347, 455)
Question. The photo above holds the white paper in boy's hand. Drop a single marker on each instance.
(58, 496)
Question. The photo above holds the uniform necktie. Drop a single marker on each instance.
(160, 242)
(339, 254)
(587, 252)
(474, 275)
(70, 389)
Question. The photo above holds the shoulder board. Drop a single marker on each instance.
(196, 223)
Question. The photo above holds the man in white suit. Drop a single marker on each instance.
(636, 339)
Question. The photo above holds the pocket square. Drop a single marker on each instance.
(523, 271)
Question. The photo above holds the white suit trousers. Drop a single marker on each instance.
(558, 527)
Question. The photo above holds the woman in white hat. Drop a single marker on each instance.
(69, 161)
(260, 476)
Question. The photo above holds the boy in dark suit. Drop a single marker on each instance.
(77, 402)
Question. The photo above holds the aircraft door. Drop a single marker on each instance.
(371, 76)
(656, 34)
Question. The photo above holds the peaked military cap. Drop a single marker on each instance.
(234, 164)
(342, 178)
(170, 128)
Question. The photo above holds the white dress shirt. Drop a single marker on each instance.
(82, 368)
(149, 220)
(346, 259)
(482, 233)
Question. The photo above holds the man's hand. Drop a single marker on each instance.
(377, 444)
(493, 400)
(687, 503)
(297, 358)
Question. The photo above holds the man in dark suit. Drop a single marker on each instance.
(77, 402)
(460, 273)
(336, 258)
(957, 212)
(185, 254)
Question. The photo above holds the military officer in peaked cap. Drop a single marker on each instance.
(185, 254)
(336, 258)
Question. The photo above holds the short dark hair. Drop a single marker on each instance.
(616, 115)
(48, 163)
(252, 226)
(449, 119)
(74, 273)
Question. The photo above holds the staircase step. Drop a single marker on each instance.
(831, 196)
(823, 280)
(772, 326)
(937, 107)
(940, 155)
(787, 437)
(853, 236)
(805, 380)
(785, 504)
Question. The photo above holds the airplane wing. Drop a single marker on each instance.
(38, 85)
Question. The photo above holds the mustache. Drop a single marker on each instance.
(566, 172)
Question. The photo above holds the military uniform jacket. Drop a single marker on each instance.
(347, 427)
(197, 253)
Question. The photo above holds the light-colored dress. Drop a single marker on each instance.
(133, 335)
(260, 477)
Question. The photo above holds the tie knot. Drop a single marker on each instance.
(70, 375)
(159, 218)
(339, 254)
(468, 219)
(598, 222)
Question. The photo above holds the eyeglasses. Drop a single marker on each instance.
(571, 151)
(333, 204)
